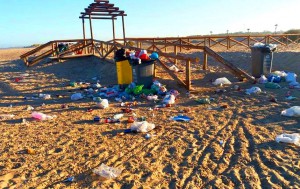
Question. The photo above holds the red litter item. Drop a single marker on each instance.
(89, 110)
(144, 57)
(126, 110)
(130, 119)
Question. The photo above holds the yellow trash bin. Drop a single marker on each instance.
(124, 72)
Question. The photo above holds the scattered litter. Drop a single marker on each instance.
(222, 81)
(31, 151)
(290, 77)
(253, 90)
(290, 98)
(289, 138)
(203, 101)
(169, 99)
(107, 172)
(272, 85)
(40, 116)
(29, 108)
(147, 136)
(97, 119)
(142, 126)
(69, 179)
(262, 79)
(45, 96)
(118, 116)
(292, 112)
(76, 96)
(152, 97)
(181, 118)
(102, 104)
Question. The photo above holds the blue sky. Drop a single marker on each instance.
(25, 22)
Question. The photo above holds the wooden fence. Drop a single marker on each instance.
(226, 41)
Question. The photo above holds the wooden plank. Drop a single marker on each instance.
(171, 73)
(40, 57)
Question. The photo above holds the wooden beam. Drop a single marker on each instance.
(103, 18)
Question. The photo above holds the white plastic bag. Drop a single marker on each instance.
(290, 77)
(289, 138)
(222, 81)
(103, 104)
(142, 126)
(253, 90)
(292, 112)
(262, 79)
(107, 172)
(169, 99)
(76, 96)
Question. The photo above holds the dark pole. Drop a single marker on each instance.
(113, 26)
(123, 30)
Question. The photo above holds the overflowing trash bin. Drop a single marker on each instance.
(135, 67)
(262, 58)
(142, 74)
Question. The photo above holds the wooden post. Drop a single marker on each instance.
(188, 74)
(154, 71)
(188, 40)
(175, 52)
(53, 49)
(228, 42)
(102, 49)
(180, 43)
(209, 42)
(153, 42)
(165, 45)
(92, 36)
(83, 29)
(56, 47)
(248, 41)
(204, 60)
(123, 24)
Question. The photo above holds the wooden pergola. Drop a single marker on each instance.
(102, 9)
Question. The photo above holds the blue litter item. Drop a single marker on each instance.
(127, 131)
(182, 118)
(70, 179)
(274, 78)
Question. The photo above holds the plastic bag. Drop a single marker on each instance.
(41, 116)
(76, 96)
(103, 104)
(289, 138)
(271, 85)
(290, 77)
(222, 81)
(142, 126)
(107, 172)
(292, 112)
(169, 99)
(253, 90)
(262, 79)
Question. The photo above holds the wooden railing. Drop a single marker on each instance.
(50, 49)
(226, 41)
(103, 49)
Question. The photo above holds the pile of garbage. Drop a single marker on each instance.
(273, 79)
(135, 57)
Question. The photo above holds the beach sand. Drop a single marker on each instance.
(231, 147)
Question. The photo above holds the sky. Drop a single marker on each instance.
(27, 22)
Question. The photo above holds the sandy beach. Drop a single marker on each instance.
(229, 147)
